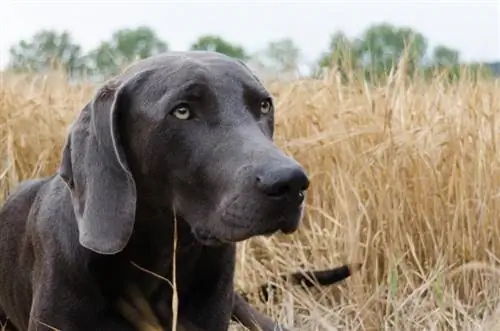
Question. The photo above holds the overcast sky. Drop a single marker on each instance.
(472, 27)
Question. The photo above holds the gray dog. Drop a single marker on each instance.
(181, 139)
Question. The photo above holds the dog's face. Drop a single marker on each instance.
(195, 130)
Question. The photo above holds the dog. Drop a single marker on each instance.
(175, 154)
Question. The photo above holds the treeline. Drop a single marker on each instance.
(374, 53)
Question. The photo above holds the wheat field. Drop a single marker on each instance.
(405, 179)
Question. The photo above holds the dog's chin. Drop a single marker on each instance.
(208, 239)
(238, 229)
(267, 228)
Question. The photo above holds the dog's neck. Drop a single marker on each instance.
(152, 244)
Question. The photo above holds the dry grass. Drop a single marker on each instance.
(405, 178)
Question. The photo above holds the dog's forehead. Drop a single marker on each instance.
(214, 70)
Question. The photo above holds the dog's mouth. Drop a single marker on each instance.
(240, 219)
(238, 234)
(207, 239)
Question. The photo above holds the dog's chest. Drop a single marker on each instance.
(156, 285)
(152, 272)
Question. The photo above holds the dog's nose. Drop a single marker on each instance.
(284, 181)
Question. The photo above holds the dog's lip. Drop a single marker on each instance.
(284, 224)
(207, 239)
(291, 224)
(249, 233)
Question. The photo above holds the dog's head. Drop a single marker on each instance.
(191, 132)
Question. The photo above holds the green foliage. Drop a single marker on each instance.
(280, 58)
(372, 55)
(376, 52)
(445, 61)
(283, 55)
(125, 46)
(444, 56)
(342, 53)
(45, 50)
(384, 45)
(218, 44)
(477, 71)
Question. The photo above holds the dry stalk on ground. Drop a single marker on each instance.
(405, 178)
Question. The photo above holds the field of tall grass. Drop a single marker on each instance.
(405, 179)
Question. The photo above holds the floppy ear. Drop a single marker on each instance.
(95, 169)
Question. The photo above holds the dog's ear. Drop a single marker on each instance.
(94, 167)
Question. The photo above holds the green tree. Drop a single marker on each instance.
(218, 44)
(45, 50)
(445, 60)
(283, 55)
(382, 46)
(125, 46)
(342, 53)
(476, 70)
(445, 57)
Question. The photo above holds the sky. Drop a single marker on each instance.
(472, 27)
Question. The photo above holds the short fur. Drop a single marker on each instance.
(133, 163)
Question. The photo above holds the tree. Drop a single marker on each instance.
(342, 53)
(445, 57)
(218, 44)
(283, 55)
(45, 50)
(125, 46)
(444, 61)
(383, 45)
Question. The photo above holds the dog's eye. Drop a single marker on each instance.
(266, 106)
(182, 112)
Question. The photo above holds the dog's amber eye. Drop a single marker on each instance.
(266, 106)
(182, 112)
